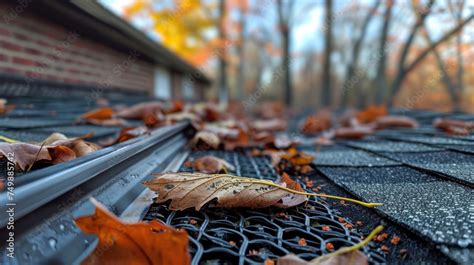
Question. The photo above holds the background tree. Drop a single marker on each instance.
(326, 78)
(285, 10)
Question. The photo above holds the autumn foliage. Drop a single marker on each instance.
(139, 243)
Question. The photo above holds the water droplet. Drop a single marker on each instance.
(61, 227)
(464, 242)
(52, 242)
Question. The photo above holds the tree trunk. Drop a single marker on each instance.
(352, 81)
(406, 48)
(380, 79)
(223, 90)
(326, 78)
(285, 34)
(240, 52)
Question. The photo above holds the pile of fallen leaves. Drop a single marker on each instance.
(353, 124)
(55, 149)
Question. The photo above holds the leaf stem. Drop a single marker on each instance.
(7, 140)
(269, 183)
(344, 250)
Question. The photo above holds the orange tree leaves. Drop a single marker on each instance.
(139, 243)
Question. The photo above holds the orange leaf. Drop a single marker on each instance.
(291, 184)
(60, 154)
(139, 243)
(371, 113)
(99, 114)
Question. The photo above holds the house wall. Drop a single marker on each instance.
(35, 48)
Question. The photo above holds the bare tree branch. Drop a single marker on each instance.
(444, 72)
(349, 83)
(380, 80)
(398, 81)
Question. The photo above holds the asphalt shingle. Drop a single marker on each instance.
(440, 210)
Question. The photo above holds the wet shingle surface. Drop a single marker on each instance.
(423, 176)
(350, 158)
(454, 164)
(430, 213)
(391, 146)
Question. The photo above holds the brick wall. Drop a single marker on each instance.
(35, 48)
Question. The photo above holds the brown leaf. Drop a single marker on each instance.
(297, 158)
(141, 110)
(110, 122)
(60, 154)
(25, 154)
(99, 114)
(135, 244)
(272, 125)
(124, 135)
(455, 127)
(242, 140)
(205, 140)
(57, 148)
(317, 123)
(371, 113)
(194, 190)
(395, 122)
(212, 165)
(82, 148)
(353, 133)
(353, 258)
(4, 108)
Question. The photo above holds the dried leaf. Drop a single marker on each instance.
(57, 148)
(115, 122)
(54, 137)
(187, 190)
(317, 123)
(395, 122)
(139, 243)
(124, 135)
(454, 127)
(141, 110)
(60, 154)
(212, 165)
(4, 108)
(194, 190)
(99, 114)
(272, 125)
(297, 158)
(353, 258)
(205, 140)
(371, 113)
(343, 256)
(25, 154)
(353, 133)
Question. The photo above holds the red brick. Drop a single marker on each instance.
(23, 61)
(5, 32)
(3, 58)
(10, 46)
(33, 51)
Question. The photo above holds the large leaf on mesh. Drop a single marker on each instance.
(194, 190)
(188, 190)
